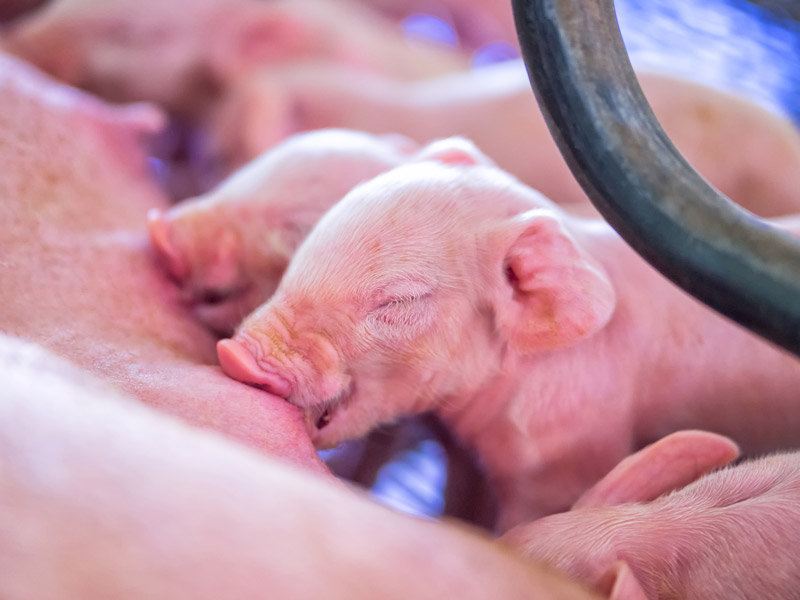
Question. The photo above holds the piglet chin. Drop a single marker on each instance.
(238, 363)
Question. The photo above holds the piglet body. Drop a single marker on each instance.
(731, 534)
(540, 338)
(184, 55)
(749, 153)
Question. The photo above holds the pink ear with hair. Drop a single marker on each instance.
(671, 463)
(619, 583)
(556, 294)
(454, 151)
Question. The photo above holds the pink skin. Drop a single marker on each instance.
(182, 55)
(750, 154)
(77, 273)
(12, 9)
(732, 534)
(115, 501)
(477, 22)
(541, 339)
(228, 249)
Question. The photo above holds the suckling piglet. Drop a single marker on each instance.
(542, 339)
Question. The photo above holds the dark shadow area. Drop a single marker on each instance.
(13, 9)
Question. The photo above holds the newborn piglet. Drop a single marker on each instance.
(747, 152)
(541, 339)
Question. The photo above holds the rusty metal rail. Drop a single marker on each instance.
(598, 115)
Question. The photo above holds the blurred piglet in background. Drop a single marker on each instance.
(183, 54)
(541, 339)
(749, 153)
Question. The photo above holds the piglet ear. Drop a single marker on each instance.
(669, 464)
(454, 151)
(555, 293)
(619, 583)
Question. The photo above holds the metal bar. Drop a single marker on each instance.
(598, 115)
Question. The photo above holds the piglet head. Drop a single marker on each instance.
(414, 292)
(228, 249)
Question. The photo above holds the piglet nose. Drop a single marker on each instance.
(159, 229)
(238, 363)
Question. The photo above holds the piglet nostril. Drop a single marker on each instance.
(238, 363)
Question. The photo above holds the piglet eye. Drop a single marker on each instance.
(401, 301)
(401, 312)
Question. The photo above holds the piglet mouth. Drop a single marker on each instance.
(321, 414)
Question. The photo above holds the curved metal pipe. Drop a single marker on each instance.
(598, 115)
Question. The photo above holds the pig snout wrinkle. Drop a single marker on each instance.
(238, 363)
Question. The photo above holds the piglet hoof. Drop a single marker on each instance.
(159, 229)
(238, 363)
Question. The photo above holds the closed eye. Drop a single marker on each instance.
(401, 301)
(402, 315)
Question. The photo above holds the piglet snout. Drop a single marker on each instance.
(238, 363)
(161, 239)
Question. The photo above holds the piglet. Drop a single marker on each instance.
(104, 498)
(540, 338)
(732, 534)
(229, 248)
